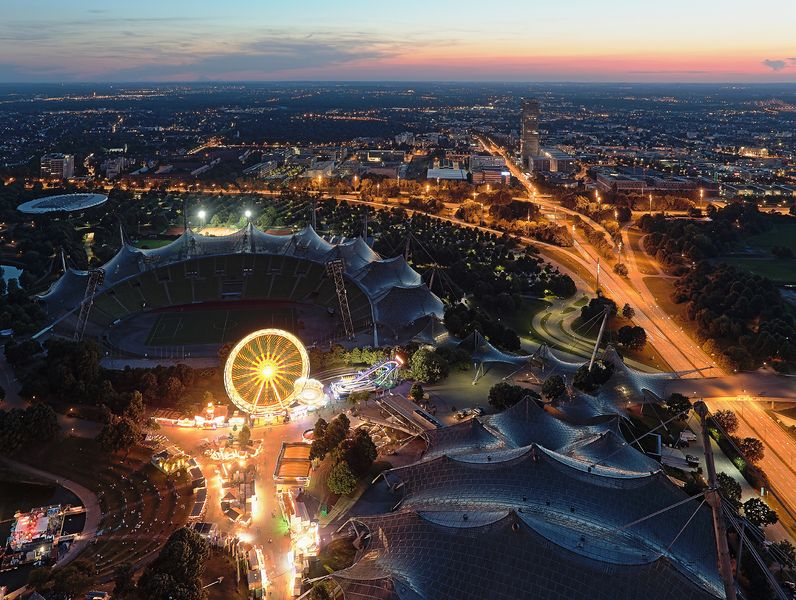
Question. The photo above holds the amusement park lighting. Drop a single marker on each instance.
(262, 370)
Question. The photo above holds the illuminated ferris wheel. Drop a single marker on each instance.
(261, 371)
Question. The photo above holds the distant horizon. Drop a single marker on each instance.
(397, 81)
(681, 41)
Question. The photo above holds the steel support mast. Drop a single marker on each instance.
(335, 269)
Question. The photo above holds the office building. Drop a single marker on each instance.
(57, 166)
(529, 138)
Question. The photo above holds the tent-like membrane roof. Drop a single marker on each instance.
(396, 292)
(523, 505)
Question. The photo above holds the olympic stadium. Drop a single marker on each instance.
(523, 504)
(189, 297)
(62, 203)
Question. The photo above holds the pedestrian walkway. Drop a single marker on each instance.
(725, 465)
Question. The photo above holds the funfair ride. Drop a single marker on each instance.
(266, 374)
(382, 375)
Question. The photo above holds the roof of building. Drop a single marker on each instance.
(396, 291)
(61, 203)
(524, 505)
(456, 174)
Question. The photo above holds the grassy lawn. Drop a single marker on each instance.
(215, 326)
(783, 234)
(522, 318)
(662, 289)
(642, 261)
(152, 244)
(773, 268)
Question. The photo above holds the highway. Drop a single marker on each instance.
(683, 354)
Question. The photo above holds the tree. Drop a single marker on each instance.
(135, 407)
(751, 448)
(621, 269)
(341, 479)
(173, 390)
(597, 307)
(416, 392)
(587, 381)
(628, 312)
(319, 591)
(208, 398)
(39, 578)
(553, 387)
(759, 513)
(244, 435)
(359, 452)
(75, 579)
(123, 584)
(326, 437)
(318, 448)
(502, 395)
(337, 431)
(678, 405)
(784, 553)
(176, 572)
(355, 398)
(633, 337)
(426, 365)
(727, 420)
(41, 422)
(120, 434)
(729, 488)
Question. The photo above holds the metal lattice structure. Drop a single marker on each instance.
(95, 279)
(529, 523)
(335, 269)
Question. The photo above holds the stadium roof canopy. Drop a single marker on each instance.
(62, 203)
(395, 291)
(479, 517)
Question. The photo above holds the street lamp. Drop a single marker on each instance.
(202, 215)
(701, 196)
(248, 215)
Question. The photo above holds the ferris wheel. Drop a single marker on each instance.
(261, 371)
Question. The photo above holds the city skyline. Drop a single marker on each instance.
(46, 41)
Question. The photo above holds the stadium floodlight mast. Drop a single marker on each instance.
(202, 215)
(248, 215)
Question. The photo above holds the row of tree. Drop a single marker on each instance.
(20, 428)
(351, 453)
(741, 315)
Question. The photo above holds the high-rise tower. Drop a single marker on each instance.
(529, 140)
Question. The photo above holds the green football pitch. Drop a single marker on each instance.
(219, 326)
